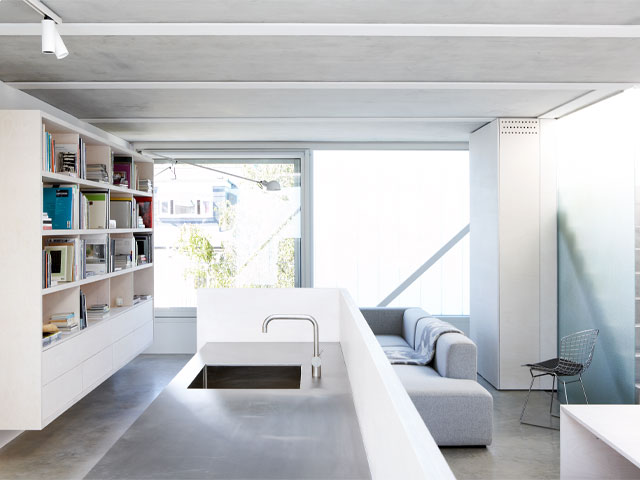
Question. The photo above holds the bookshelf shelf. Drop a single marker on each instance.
(46, 381)
(93, 279)
(95, 231)
(114, 313)
(58, 178)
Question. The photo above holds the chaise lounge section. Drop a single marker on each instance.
(456, 409)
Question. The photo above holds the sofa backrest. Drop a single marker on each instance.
(410, 321)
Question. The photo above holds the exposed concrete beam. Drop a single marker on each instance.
(289, 119)
(583, 101)
(280, 85)
(329, 29)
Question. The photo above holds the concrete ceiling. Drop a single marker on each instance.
(306, 88)
(541, 12)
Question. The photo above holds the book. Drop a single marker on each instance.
(144, 248)
(145, 210)
(74, 254)
(82, 323)
(61, 262)
(58, 203)
(122, 253)
(96, 254)
(97, 173)
(124, 171)
(97, 209)
(121, 210)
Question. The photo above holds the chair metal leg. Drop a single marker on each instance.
(524, 407)
(564, 386)
(583, 391)
(553, 384)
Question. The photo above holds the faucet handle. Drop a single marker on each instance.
(316, 366)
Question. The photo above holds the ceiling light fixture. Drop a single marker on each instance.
(51, 40)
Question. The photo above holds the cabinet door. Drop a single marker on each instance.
(97, 368)
(58, 394)
(65, 356)
(131, 320)
(133, 344)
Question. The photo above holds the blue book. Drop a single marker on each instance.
(57, 202)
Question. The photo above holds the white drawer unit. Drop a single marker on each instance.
(57, 395)
(75, 367)
(128, 347)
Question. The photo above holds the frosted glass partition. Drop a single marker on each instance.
(597, 150)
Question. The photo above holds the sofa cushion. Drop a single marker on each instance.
(409, 323)
(456, 412)
(391, 341)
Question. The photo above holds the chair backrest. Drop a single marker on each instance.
(576, 351)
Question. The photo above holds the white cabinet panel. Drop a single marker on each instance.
(71, 353)
(97, 368)
(58, 393)
(131, 345)
(131, 320)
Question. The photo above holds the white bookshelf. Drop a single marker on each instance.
(39, 383)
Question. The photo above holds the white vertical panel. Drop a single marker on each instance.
(21, 265)
(548, 240)
(519, 230)
(484, 274)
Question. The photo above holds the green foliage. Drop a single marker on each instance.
(286, 263)
(211, 267)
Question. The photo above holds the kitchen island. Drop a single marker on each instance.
(310, 432)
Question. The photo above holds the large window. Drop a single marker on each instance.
(216, 230)
(380, 215)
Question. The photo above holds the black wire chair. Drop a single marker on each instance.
(576, 353)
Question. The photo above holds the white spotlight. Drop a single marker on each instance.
(51, 39)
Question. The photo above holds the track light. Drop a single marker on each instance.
(51, 40)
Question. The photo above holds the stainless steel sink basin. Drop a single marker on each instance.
(248, 377)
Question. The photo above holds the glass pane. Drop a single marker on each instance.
(380, 215)
(597, 151)
(215, 230)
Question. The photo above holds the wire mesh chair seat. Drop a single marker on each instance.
(576, 353)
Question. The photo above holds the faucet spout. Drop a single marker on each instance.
(315, 362)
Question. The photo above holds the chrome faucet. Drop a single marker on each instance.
(316, 363)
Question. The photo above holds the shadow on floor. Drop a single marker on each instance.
(71, 445)
(518, 452)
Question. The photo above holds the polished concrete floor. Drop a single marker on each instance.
(77, 440)
(518, 452)
(71, 445)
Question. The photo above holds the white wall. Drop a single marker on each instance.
(513, 248)
(236, 314)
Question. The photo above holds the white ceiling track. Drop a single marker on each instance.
(294, 85)
(330, 30)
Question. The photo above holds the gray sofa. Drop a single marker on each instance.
(456, 409)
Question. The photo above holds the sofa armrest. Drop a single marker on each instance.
(456, 357)
(384, 320)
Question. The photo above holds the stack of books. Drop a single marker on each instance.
(98, 311)
(50, 337)
(66, 322)
(46, 221)
(67, 161)
(140, 298)
(145, 185)
(97, 173)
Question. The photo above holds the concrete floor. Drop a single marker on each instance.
(69, 447)
(518, 451)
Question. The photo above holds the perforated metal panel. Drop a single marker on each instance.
(519, 126)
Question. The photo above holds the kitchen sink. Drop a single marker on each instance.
(248, 377)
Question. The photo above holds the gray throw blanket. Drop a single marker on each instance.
(425, 350)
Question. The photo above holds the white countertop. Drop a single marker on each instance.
(616, 425)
